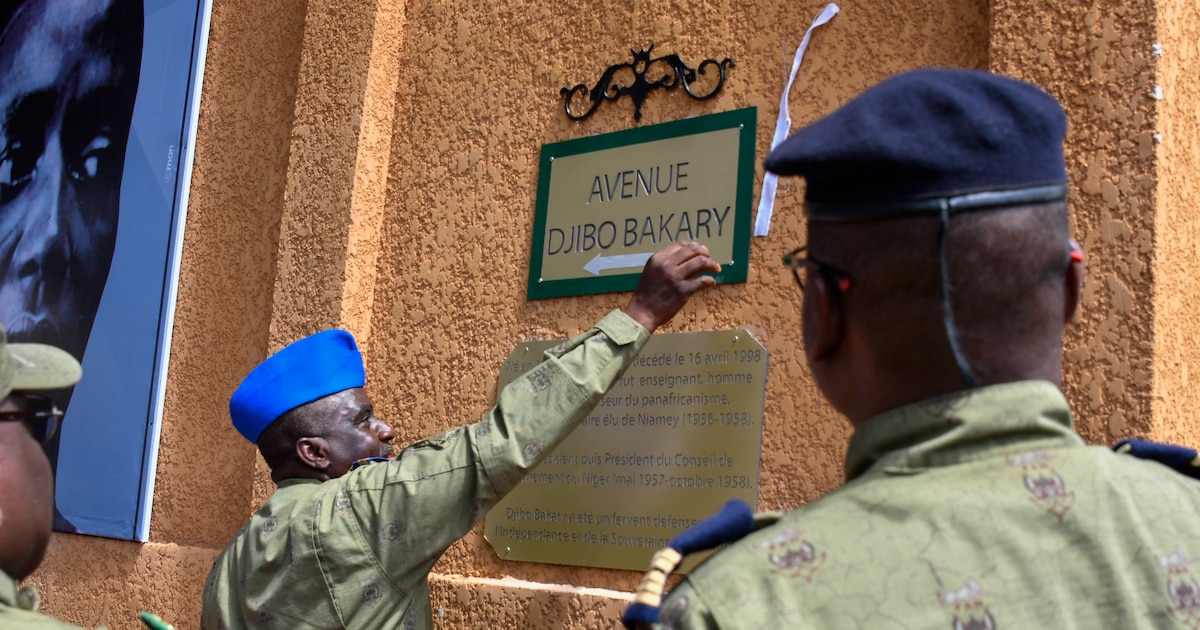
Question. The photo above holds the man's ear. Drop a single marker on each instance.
(825, 324)
(313, 452)
(1073, 283)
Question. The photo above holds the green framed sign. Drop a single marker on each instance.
(606, 203)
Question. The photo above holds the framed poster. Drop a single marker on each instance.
(98, 106)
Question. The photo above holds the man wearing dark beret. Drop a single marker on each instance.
(348, 543)
(937, 279)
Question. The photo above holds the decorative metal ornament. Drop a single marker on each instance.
(608, 88)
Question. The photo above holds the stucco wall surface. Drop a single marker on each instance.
(1177, 252)
(97, 581)
(336, 175)
(1095, 57)
(466, 602)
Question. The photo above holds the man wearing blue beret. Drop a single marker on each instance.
(348, 544)
(937, 279)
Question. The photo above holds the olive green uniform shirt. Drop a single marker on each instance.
(18, 609)
(356, 551)
(981, 510)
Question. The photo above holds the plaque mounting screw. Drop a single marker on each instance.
(507, 550)
(735, 339)
(741, 125)
(539, 280)
(551, 158)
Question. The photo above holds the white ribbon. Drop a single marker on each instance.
(766, 200)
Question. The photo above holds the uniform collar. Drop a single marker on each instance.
(297, 481)
(13, 596)
(961, 427)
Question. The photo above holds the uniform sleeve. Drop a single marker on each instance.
(411, 509)
(539, 409)
(684, 608)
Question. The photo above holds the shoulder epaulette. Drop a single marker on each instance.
(733, 521)
(766, 519)
(1181, 459)
(368, 460)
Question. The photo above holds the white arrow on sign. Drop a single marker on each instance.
(623, 261)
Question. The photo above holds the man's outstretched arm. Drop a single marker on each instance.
(448, 483)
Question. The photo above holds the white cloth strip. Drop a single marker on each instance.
(766, 199)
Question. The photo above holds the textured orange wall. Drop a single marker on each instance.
(1132, 153)
(1177, 254)
(372, 164)
(336, 176)
(1096, 58)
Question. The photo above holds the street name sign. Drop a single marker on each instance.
(606, 203)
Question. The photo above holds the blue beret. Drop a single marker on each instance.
(305, 370)
(930, 138)
(1182, 459)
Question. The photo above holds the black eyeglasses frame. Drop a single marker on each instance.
(796, 259)
(42, 418)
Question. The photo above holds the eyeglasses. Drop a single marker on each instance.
(795, 259)
(40, 414)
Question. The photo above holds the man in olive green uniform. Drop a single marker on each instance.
(346, 544)
(937, 279)
(28, 420)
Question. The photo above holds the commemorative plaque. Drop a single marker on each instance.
(674, 439)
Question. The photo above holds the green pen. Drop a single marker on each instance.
(153, 622)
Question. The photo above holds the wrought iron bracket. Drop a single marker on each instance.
(675, 74)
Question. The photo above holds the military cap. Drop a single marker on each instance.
(929, 138)
(313, 367)
(34, 367)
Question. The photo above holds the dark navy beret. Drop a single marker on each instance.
(930, 138)
(303, 371)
